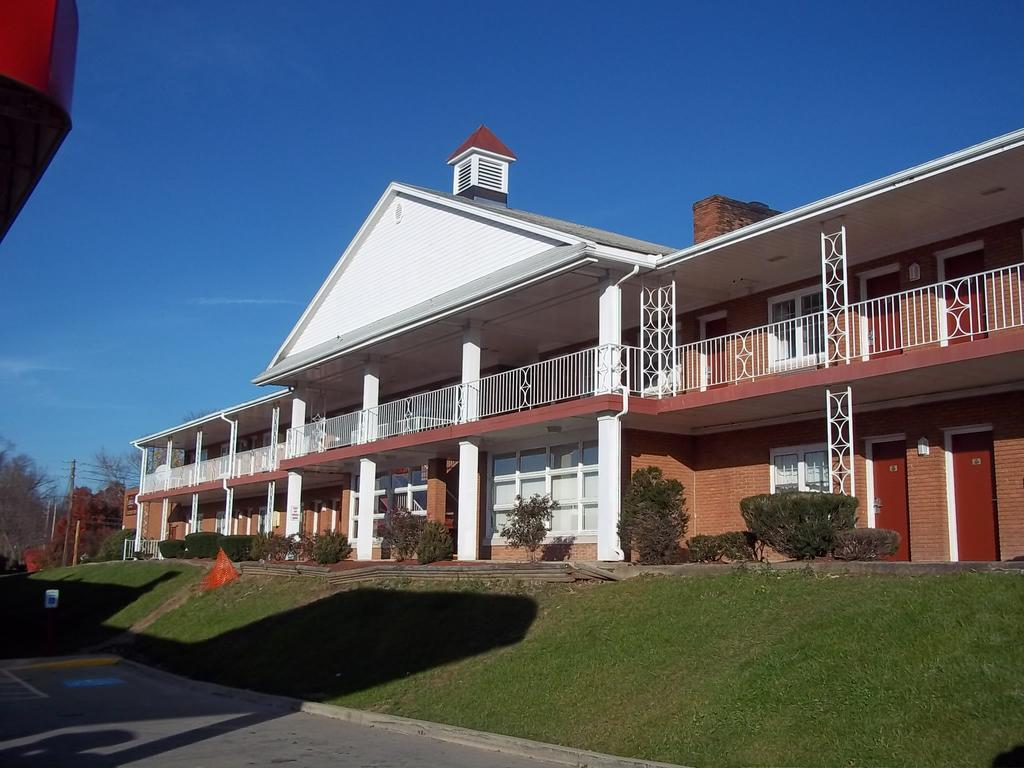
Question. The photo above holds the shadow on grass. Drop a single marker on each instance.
(80, 620)
(350, 641)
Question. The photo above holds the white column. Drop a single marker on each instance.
(229, 511)
(170, 453)
(368, 467)
(293, 511)
(138, 505)
(469, 496)
(165, 511)
(609, 486)
(195, 513)
(367, 501)
(609, 336)
(268, 519)
(199, 457)
(470, 373)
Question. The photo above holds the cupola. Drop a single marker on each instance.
(480, 167)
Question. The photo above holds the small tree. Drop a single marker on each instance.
(400, 532)
(528, 522)
(654, 517)
(435, 543)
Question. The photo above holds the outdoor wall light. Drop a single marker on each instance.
(915, 272)
(922, 447)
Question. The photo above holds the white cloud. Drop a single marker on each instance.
(12, 366)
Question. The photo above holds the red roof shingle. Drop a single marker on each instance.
(483, 138)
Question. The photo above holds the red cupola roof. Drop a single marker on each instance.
(483, 138)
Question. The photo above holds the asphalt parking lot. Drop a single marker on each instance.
(120, 715)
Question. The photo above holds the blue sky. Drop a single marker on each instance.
(223, 154)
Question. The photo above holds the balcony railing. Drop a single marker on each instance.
(568, 377)
(246, 463)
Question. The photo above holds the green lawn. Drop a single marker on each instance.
(731, 670)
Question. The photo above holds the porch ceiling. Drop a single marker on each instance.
(516, 329)
(925, 211)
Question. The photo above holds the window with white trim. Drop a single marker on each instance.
(567, 472)
(800, 468)
(797, 332)
(405, 488)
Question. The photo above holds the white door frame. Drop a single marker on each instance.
(947, 443)
(869, 468)
(888, 269)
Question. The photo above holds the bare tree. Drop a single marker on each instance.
(114, 468)
(24, 489)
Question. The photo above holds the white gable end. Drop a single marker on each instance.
(415, 250)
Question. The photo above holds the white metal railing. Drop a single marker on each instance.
(575, 375)
(212, 469)
(256, 460)
(956, 310)
(146, 547)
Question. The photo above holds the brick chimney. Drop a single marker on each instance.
(716, 215)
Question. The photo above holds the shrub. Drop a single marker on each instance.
(238, 548)
(528, 522)
(202, 544)
(435, 543)
(866, 544)
(300, 546)
(269, 546)
(797, 524)
(112, 547)
(172, 548)
(654, 516)
(330, 548)
(734, 546)
(400, 532)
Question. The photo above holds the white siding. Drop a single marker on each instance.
(401, 263)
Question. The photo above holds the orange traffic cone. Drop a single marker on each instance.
(222, 572)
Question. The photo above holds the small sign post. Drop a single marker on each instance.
(50, 600)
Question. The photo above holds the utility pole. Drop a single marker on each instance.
(67, 528)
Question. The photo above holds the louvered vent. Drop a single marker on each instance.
(464, 175)
(489, 174)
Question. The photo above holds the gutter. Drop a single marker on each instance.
(138, 506)
(228, 508)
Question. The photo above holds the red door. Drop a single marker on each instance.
(966, 318)
(716, 366)
(974, 496)
(889, 472)
(885, 323)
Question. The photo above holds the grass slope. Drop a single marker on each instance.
(734, 670)
(97, 602)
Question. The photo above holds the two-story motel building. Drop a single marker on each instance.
(868, 343)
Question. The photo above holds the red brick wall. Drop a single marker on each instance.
(718, 470)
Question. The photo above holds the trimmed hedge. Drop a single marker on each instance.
(799, 524)
(237, 548)
(866, 544)
(172, 548)
(202, 544)
(654, 516)
(734, 546)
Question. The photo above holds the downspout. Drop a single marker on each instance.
(624, 386)
(229, 505)
(138, 505)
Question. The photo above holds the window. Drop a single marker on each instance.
(797, 332)
(801, 468)
(567, 472)
(406, 488)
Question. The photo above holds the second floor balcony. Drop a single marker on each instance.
(242, 464)
(940, 314)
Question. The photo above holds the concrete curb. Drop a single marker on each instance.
(490, 742)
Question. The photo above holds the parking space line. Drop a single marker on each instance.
(13, 688)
